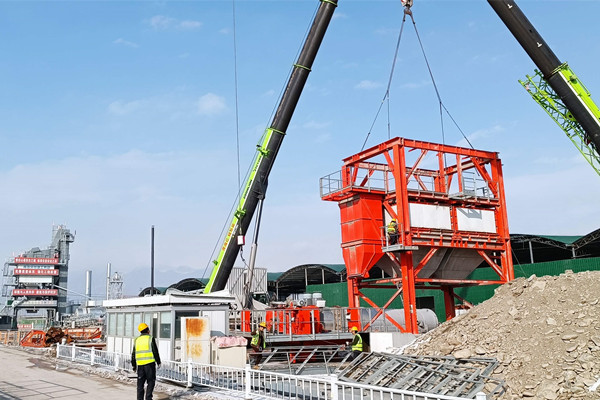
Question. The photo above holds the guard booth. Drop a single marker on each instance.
(163, 314)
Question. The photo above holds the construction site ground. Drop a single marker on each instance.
(33, 374)
(544, 331)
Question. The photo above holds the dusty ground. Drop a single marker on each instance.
(545, 331)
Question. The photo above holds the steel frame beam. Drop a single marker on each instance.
(364, 218)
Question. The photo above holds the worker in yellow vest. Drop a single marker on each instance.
(392, 231)
(144, 360)
(357, 342)
(258, 344)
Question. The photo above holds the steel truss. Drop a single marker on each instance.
(450, 209)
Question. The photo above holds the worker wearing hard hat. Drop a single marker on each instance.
(144, 360)
(258, 344)
(392, 231)
(357, 342)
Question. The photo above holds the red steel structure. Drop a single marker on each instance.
(450, 209)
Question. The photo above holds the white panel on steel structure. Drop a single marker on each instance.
(429, 216)
(469, 219)
(35, 279)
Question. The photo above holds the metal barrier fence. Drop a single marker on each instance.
(247, 382)
(12, 338)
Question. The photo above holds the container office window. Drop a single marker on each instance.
(165, 325)
(137, 320)
(128, 325)
(112, 324)
(120, 324)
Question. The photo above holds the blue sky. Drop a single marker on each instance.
(119, 115)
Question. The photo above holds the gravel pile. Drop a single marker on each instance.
(544, 331)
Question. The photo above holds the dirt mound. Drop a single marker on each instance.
(544, 331)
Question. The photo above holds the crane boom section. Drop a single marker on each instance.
(256, 183)
(542, 93)
(561, 79)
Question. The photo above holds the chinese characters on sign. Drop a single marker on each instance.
(35, 271)
(35, 292)
(29, 260)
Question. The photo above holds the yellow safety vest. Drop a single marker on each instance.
(392, 228)
(255, 340)
(143, 350)
(359, 345)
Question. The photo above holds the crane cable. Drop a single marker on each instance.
(386, 96)
(437, 92)
(237, 131)
(442, 107)
(236, 202)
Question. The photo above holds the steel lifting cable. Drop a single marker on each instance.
(236, 202)
(237, 131)
(386, 96)
(437, 92)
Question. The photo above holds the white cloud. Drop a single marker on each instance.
(481, 134)
(368, 85)
(173, 105)
(121, 108)
(161, 23)
(339, 15)
(211, 104)
(123, 42)
(189, 25)
(415, 85)
(315, 125)
(111, 201)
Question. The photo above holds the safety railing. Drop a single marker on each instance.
(370, 180)
(12, 338)
(249, 382)
(311, 322)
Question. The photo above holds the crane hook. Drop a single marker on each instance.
(407, 4)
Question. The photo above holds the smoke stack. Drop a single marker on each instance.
(88, 284)
(108, 281)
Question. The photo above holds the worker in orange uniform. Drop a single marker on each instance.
(392, 231)
(258, 343)
(144, 360)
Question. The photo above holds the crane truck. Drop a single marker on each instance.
(554, 86)
(254, 189)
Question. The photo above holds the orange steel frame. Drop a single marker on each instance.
(363, 206)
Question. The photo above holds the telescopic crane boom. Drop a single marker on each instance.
(256, 184)
(558, 90)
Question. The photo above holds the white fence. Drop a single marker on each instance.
(248, 382)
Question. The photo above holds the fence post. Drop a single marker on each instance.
(480, 396)
(92, 356)
(73, 352)
(117, 362)
(57, 350)
(248, 380)
(334, 387)
(190, 372)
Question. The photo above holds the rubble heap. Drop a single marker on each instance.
(544, 331)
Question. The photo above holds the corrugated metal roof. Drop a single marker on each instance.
(563, 239)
